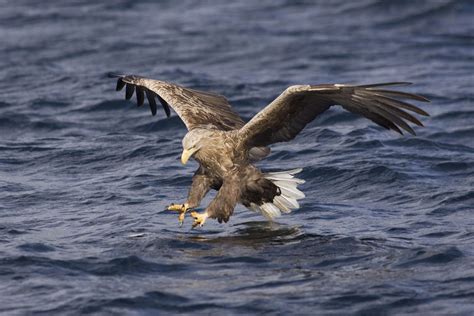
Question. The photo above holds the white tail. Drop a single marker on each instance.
(290, 194)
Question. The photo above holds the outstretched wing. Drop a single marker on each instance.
(195, 108)
(298, 105)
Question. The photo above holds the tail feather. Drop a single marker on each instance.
(287, 172)
(287, 200)
(291, 202)
(270, 211)
(282, 204)
(285, 179)
(290, 190)
(283, 174)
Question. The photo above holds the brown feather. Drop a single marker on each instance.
(222, 206)
(398, 112)
(357, 108)
(398, 103)
(382, 111)
(289, 113)
(400, 94)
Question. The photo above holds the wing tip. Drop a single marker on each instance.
(113, 74)
(425, 113)
(421, 98)
(124, 77)
(131, 87)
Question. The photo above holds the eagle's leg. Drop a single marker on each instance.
(199, 188)
(223, 204)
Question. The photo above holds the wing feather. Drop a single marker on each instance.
(399, 94)
(165, 105)
(298, 105)
(385, 84)
(398, 112)
(195, 108)
(357, 108)
(151, 101)
(140, 96)
(393, 102)
(120, 85)
(129, 90)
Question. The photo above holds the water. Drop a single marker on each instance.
(387, 226)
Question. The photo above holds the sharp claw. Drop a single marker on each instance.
(181, 218)
(181, 208)
(195, 225)
(199, 219)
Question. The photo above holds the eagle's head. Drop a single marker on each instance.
(192, 142)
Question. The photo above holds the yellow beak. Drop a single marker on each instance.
(187, 154)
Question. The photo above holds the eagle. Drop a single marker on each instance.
(226, 147)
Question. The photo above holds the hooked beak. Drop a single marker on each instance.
(187, 154)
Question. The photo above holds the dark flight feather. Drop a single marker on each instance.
(165, 106)
(151, 101)
(120, 84)
(399, 94)
(140, 96)
(129, 91)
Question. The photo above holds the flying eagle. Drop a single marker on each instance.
(225, 146)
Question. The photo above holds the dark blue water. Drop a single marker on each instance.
(388, 223)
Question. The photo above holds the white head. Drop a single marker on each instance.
(191, 144)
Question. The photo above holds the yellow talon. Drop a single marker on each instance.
(199, 218)
(181, 208)
(178, 207)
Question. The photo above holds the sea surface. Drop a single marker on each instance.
(387, 227)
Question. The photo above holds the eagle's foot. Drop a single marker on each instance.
(181, 208)
(199, 218)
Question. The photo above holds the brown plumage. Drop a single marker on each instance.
(225, 146)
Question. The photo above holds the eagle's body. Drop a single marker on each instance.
(229, 170)
(226, 147)
(220, 154)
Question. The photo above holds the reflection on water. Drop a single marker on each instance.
(254, 234)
